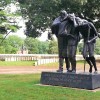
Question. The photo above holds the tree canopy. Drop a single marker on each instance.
(40, 13)
(7, 18)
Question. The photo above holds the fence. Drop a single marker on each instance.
(38, 58)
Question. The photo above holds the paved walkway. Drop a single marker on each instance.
(23, 69)
(37, 69)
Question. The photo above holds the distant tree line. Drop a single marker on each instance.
(13, 43)
(39, 15)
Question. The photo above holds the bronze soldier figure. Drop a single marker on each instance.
(73, 40)
(58, 28)
(89, 34)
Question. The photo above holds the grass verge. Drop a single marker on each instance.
(24, 87)
(16, 63)
(28, 63)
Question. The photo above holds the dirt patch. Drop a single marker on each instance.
(39, 69)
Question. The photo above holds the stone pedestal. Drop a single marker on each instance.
(73, 80)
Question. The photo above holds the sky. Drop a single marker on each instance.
(21, 34)
(21, 23)
(43, 37)
(12, 8)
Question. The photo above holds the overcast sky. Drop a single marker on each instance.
(21, 22)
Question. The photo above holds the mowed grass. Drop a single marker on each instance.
(28, 63)
(26, 87)
(56, 64)
(16, 63)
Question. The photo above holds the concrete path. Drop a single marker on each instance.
(37, 69)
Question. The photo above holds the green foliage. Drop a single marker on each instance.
(12, 44)
(5, 2)
(92, 10)
(26, 87)
(3, 19)
(35, 46)
(39, 47)
(32, 45)
(40, 13)
(97, 47)
(16, 63)
(80, 47)
(53, 47)
(2, 50)
(43, 47)
(6, 16)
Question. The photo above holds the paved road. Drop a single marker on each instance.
(23, 69)
(36, 69)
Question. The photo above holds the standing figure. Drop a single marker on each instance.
(73, 40)
(58, 28)
(89, 34)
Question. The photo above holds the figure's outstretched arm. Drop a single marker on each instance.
(89, 41)
(94, 31)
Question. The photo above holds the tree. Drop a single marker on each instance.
(40, 13)
(53, 47)
(2, 49)
(91, 11)
(43, 47)
(35, 46)
(32, 45)
(7, 18)
(97, 47)
(80, 47)
(12, 44)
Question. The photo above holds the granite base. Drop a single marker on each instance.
(73, 80)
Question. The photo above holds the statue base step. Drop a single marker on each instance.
(73, 80)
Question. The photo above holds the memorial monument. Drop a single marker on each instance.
(69, 29)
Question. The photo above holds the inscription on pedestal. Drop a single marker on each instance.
(83, 81)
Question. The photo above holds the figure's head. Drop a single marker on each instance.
(63, 13)
(71, 17)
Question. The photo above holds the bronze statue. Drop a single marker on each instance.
(89, 34)
(58, 27)
(73, 40)
(67, 29)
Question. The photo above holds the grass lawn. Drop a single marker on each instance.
(27, 63)
(16, 63)
(56, 64)
(24, 87)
